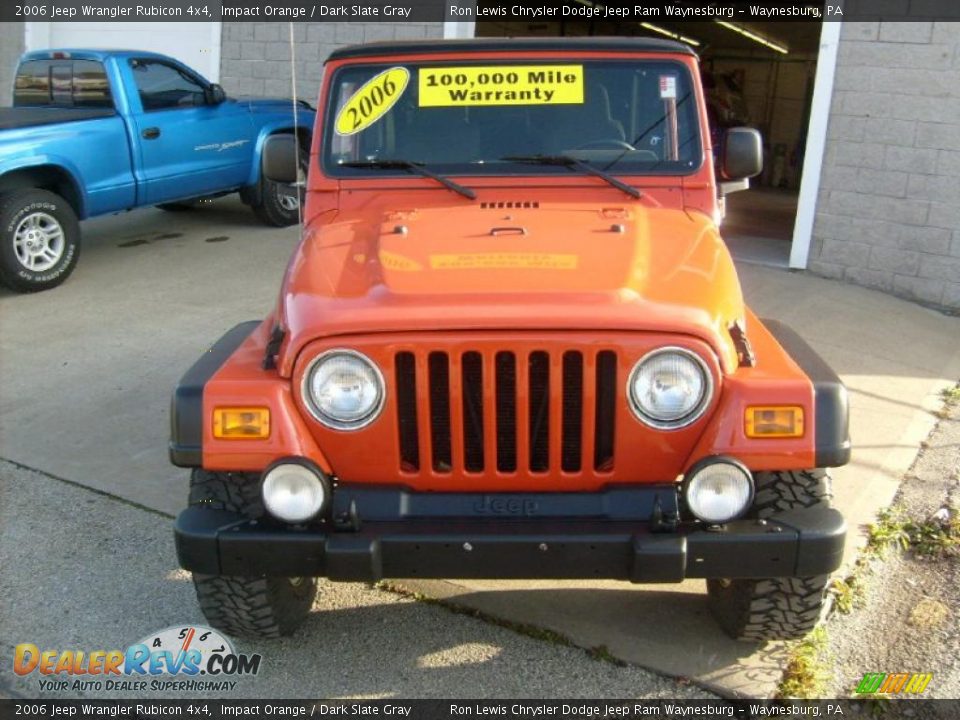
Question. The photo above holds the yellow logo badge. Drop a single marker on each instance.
(892, 683)
(372, 101)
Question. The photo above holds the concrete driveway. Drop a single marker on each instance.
(87, 571)
(88, 368)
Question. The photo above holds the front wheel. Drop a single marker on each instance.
(255, 607)
(770, 609)
(774, 608)
(246, 606)
(39, 240)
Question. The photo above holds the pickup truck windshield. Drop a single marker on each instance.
(490, 118)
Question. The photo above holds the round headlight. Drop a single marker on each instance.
(669, 388)
(719, 491)
(293, 492)
(343, 389)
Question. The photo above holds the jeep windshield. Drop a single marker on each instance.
(624, 117)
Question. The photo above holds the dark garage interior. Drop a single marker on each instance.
(757, 74)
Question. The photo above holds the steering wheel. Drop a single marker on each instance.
(611, 143)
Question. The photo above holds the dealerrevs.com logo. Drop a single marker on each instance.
(187, 658)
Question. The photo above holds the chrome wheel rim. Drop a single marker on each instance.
(288, 202)
(39, 242)
(288, 196)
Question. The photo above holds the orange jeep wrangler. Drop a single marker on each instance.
(511, 344)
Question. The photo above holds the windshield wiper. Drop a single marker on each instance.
(414, 167)
(570, 161)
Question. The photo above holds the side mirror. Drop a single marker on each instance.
(742, 155)
(214, 94)
(279, 163)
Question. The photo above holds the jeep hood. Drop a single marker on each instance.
(500, 265)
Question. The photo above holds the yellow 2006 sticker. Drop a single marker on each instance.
(372, 101)
(501, 85)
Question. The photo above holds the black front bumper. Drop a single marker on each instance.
(791, 544)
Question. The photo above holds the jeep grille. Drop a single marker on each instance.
(531, 412)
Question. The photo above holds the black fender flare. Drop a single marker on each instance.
(831, 404)
(186, 405)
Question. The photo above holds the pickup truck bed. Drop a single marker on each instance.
(22, 117)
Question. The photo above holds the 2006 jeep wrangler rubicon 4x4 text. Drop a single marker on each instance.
(511, 344)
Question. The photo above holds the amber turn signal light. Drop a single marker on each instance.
(774, 421)
(241, 423)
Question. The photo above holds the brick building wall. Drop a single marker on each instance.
(888, 212)
(11, 47)
(255, 57)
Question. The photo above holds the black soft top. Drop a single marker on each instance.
(509, 45)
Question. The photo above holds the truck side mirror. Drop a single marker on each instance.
(742, 155)
(214, 94)
(279, 161)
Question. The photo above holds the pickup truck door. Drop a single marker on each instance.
(188, 147)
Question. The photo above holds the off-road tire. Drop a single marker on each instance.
(270, 209)
(260, 607)
(781, 491)
(15, 210)
(774, 608)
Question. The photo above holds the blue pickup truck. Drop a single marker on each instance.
(95, 132)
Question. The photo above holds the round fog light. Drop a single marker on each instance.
(719, 490)
(293, 492)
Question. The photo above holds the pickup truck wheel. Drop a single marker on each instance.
(261, 607)
(774, 608)
(39, 240)
(279, 204)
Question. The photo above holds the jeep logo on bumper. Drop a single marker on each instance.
(488, 505)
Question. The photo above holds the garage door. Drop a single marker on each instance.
(196, 44)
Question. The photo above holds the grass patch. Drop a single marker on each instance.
(808, 668)
(850, 593)
(929, 613)
(951, 398)
(933, 538)
(951, 395)
(601, 653)
(887, 532)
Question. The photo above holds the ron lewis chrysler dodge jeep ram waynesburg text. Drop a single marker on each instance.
(512, 344)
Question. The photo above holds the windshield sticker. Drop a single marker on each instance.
(504, 261)
(501, 85)
(372, 101)
(668, 87)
